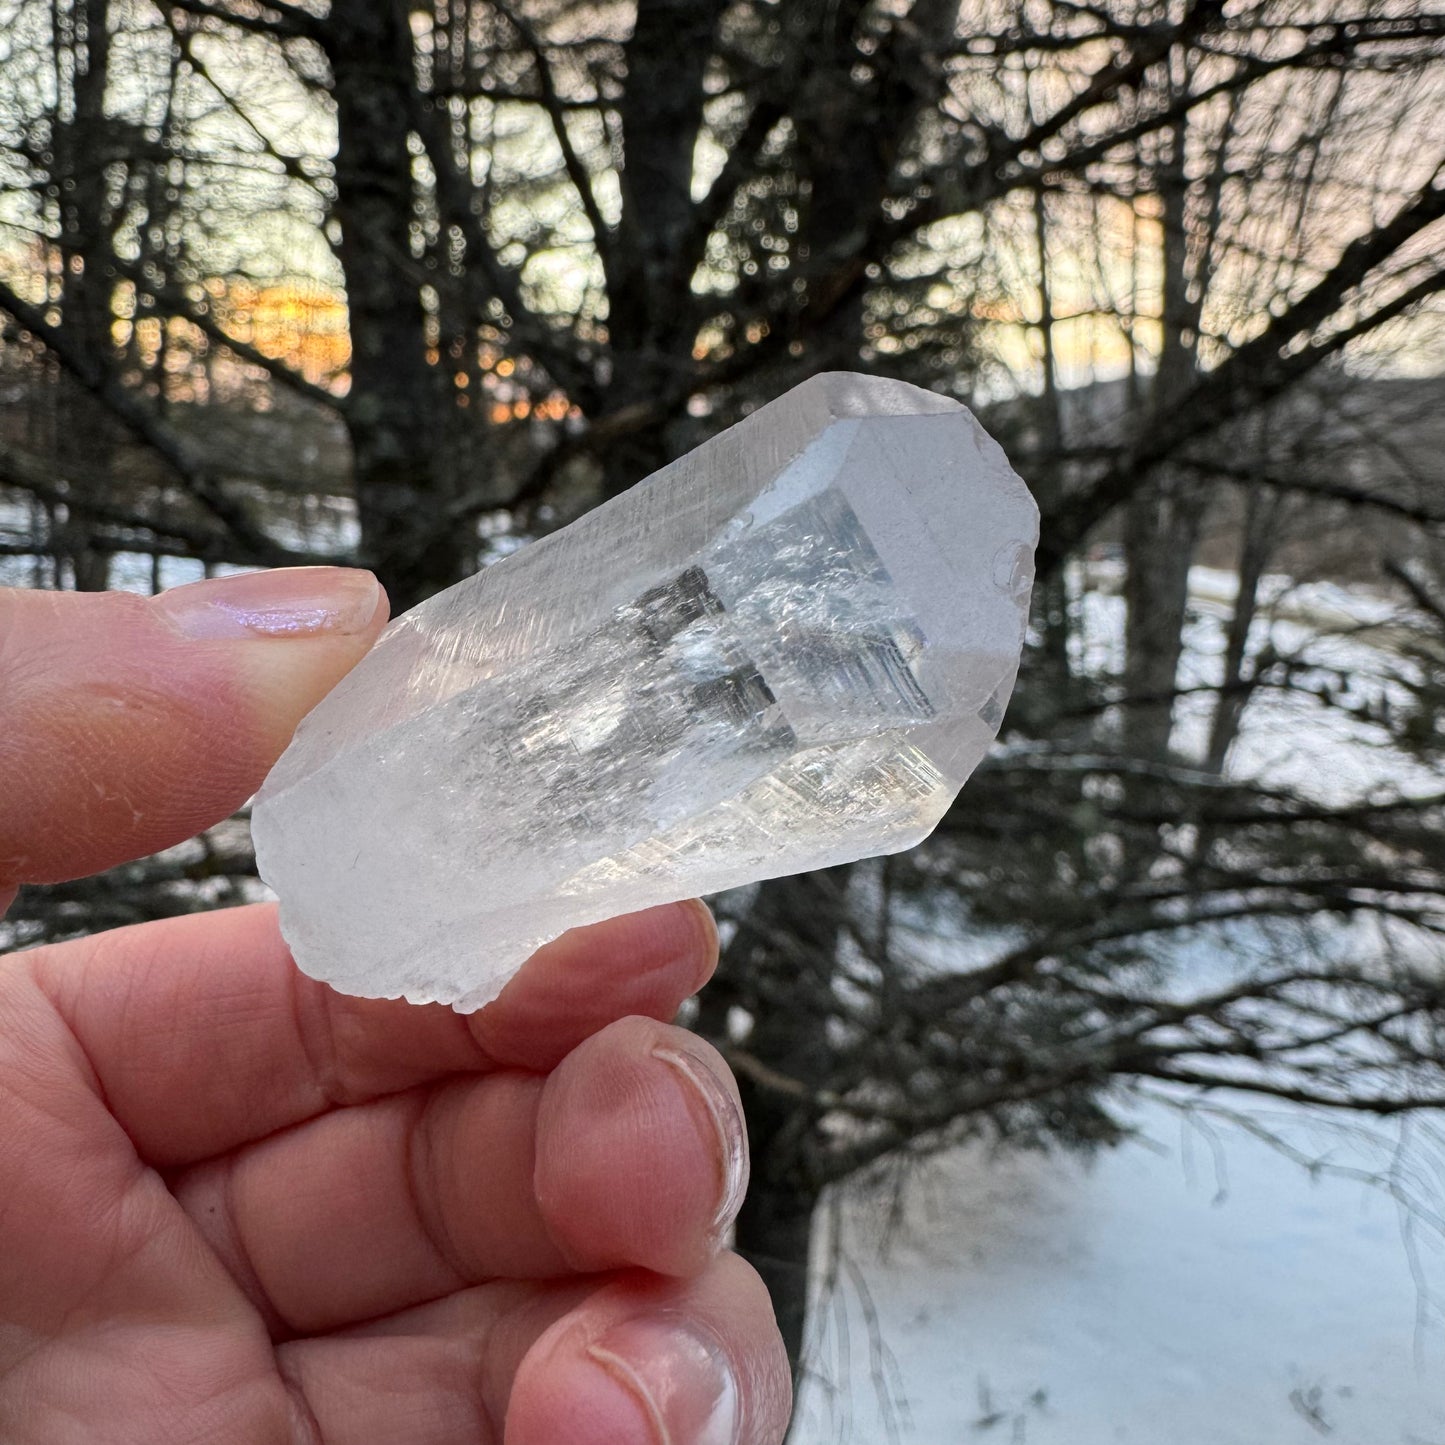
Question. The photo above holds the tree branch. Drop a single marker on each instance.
(454, 197)
(251, 540)
(174, 300)
(1256, 372)
(290, 22)
(1315, 487)
(576, 171)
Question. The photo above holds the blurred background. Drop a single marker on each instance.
(1112, 1111)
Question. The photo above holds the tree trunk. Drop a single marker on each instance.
(774, 1234)
(1161, 530)
(791, 933)
(86, 447)
(1051, 596)
(82, 143)
(1261, 518)
(395, 409)
(1162, 519)
(649, 271)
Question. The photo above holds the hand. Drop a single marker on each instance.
(236, 1206)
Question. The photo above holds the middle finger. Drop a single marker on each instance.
(631, 1153)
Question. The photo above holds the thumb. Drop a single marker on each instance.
(129, 723)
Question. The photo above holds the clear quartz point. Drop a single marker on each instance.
(786, 650)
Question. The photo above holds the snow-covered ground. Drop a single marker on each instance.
(1194, 1287)
(1197, 1285)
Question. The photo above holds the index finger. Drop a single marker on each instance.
(203, 1035)
(130, 723)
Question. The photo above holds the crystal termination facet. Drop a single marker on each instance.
(784, 651)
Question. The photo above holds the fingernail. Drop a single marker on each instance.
(288, 602)
(701, 1080)
(680, 1375)
(704, 915)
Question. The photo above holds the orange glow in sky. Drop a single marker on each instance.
(298, 322)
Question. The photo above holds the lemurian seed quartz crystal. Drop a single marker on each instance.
(784, 651)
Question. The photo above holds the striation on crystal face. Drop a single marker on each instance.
(786, 650)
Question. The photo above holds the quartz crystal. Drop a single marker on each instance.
(784, 651)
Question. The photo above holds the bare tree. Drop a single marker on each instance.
(573, 238)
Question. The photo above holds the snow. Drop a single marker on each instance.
(1198, 1285)
(1193, 1286)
